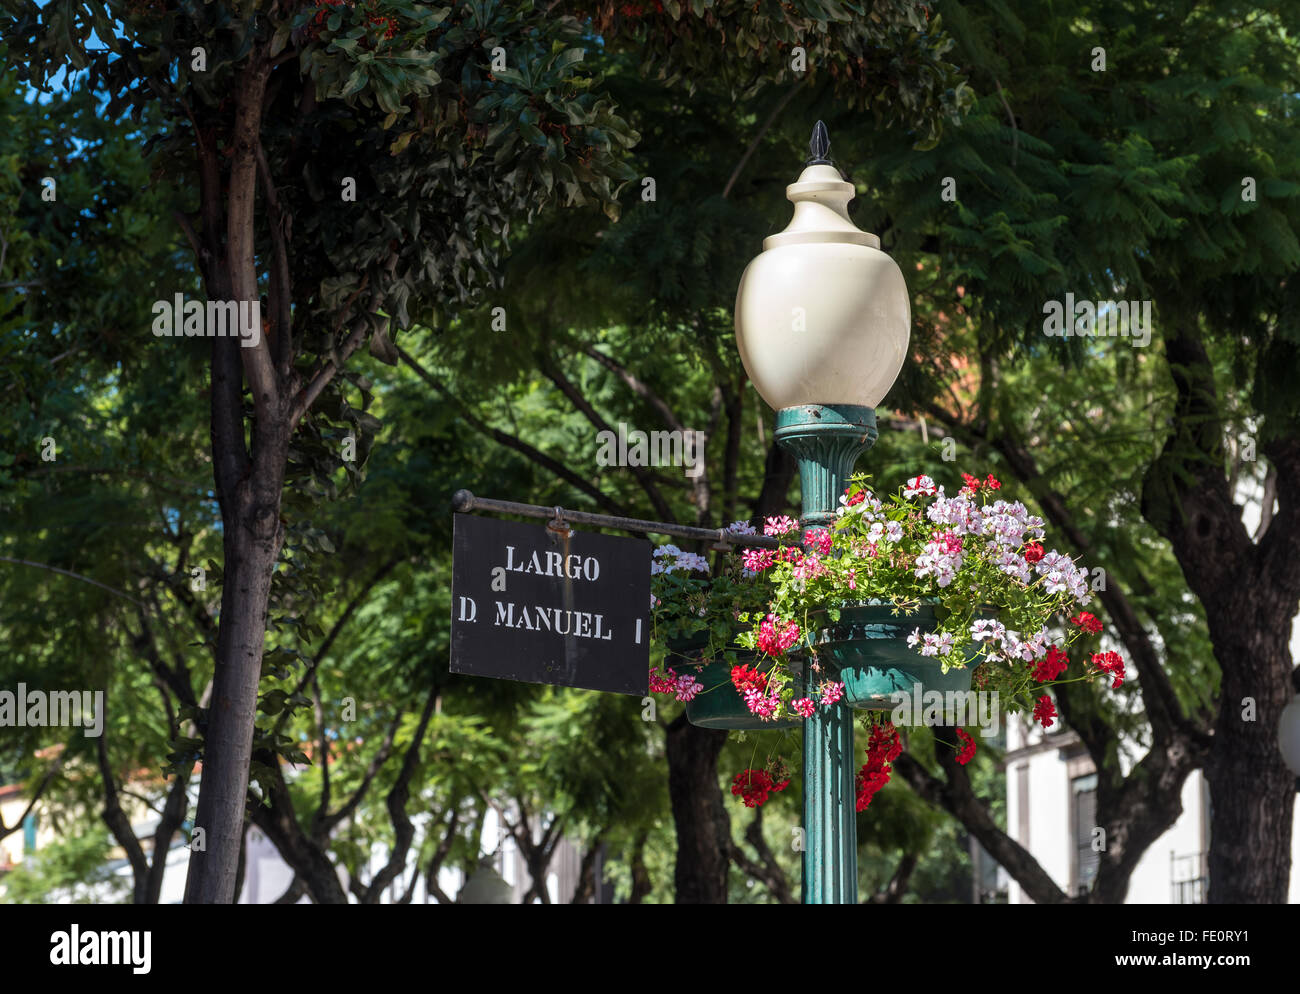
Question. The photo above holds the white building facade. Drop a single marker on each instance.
(1051, 811)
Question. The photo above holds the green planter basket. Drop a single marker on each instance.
(868, 650)
(719, 705)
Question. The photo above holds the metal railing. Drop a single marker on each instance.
(1189, 878)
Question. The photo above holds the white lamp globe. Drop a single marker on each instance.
(822, 315)
(1288, 735)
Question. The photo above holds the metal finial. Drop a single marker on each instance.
(819, 147)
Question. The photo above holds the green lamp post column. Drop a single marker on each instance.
(827, 440)
(822, 325)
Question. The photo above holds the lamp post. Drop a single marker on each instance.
(822, 325)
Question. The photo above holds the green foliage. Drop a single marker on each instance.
(1122, 184)
(75, 869)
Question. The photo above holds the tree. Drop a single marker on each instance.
(238, 115)
(293, 101)
(1168, 177)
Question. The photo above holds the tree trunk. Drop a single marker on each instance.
(252, 545)
(1249, 590)
(1252, 793)
(588, 885)
(641, 882)
(248, 490)
(173, 816)
(703, 827)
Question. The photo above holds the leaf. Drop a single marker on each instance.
(570, 56)
(356, 82)
(280, 38)
(381, 346)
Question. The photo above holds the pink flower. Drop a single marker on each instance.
(831, 692)
(661, 684)
(949, 543)
(775, 636)
(687, 687)
(761, 704)
(804, 707)
(757, 560)
(808, 568)
(780, 526)
(853, 579)
(817, 540)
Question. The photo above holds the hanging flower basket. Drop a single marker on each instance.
(868, 650)
(917, 587)
(719, 704)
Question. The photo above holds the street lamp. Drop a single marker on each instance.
(822, 325)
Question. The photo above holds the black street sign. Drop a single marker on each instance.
(534, 605)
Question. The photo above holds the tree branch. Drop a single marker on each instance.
(240, 242)
(956, 797)
(510, 442)
(281, 297)
(638, 387)
(758, 137)
(894, 890)
(578, 401)
(75, 576)
(398, 796)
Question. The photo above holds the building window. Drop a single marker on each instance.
(1083, 820)
(1188, 878)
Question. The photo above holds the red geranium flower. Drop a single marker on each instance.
(882, 749)
(973, 484)
(743, 677)
(1033, 552)
(968, 750)
(1045, 711)
(1088, 622)
(1051, 666)
(884, 743)
(869, 782)
(753, 786)
(1112, 663)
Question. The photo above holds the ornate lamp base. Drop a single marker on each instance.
(827, 440)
